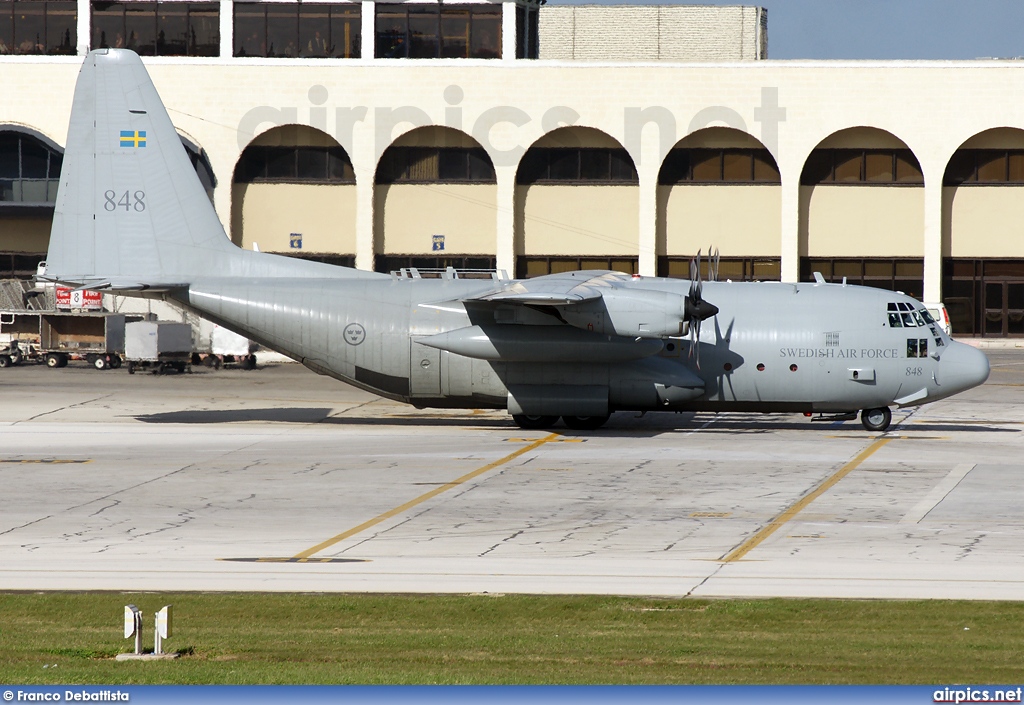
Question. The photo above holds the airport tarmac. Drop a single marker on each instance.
(280, 480)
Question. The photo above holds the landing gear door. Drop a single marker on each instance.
(425, 371)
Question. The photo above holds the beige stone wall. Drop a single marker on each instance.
(740, 220)
(24, 234)
(862, 221)
(652, 33)
(983, 221)
(577, 220)
(267, 214)
(408, 215)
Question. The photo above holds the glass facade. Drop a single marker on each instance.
(438, 31)
(527, 267)
(294, 165)
(862, 166)
(585, 165)
(435, 165)
(29, 170)
(719, 165)
(906, 275)
(157, 28)
(39, 27)
(306, 30)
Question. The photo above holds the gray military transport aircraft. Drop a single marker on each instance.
(132, 217)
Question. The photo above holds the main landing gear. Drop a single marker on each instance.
(576, 423)
(876, 419)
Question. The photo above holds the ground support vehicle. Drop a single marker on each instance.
(55, 337)
(159, 346)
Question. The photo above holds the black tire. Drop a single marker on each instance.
(876, 419)
(585, 423)
(16, 358)
(5, 361)
(53, 360)
(131, 367)
(249, 362)
(100, 362)
(115, 362)
(532, 423)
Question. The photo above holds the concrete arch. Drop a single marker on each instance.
(24, 129)
(983, 235)
(862, 209)
(577, 202)
(293, 192)
(435, 201)
(27, 200)
(720, 186)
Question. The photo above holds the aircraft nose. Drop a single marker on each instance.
(963, 367)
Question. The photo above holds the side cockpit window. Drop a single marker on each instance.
(903, 315)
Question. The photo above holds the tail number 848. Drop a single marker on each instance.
(128, 201)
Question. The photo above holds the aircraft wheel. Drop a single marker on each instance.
(534, 422)
(5, 361)
(876, 419)
(585, 423)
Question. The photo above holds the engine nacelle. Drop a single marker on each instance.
(630, 312)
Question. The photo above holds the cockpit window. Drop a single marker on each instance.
(918, 318)
(926, 316)
(908, 319)
(894, 320)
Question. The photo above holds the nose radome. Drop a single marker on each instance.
(962, 367)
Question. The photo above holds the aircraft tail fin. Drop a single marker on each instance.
(129, 206)
(131, 212)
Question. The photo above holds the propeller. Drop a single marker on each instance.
(696, 309)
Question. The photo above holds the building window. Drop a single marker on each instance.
(740, 166)
(984, 296)
(862, 166)
(584, 165)
(158, 28)
(435, 165)
(19, 265)
(308, 30)
(328, 165)
(438, 31)
(335, 259)
(527, 28)
(469, 266)
(906, 275)
(527, 267)
(737, 269)
(985, 167)
(38, 27)
(29, 170)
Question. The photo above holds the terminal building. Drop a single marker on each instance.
(540, 138)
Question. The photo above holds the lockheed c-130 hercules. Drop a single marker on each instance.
(132, 217)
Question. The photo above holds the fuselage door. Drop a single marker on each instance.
(425, 371)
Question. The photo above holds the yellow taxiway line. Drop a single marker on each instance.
(777, 523)
(423, 498)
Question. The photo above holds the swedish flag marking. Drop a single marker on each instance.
(133, 138)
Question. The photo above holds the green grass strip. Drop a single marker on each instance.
(71, 638)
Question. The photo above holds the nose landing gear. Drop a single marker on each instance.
(876, 419)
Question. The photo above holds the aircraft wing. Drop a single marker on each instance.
(553, 289)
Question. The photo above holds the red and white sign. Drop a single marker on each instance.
(79, 298)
